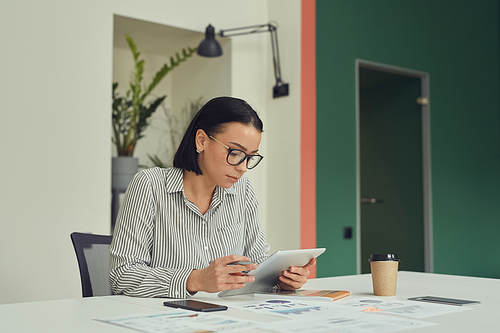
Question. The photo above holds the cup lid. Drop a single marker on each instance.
(384, 257)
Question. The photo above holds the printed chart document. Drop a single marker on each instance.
(352, 315)
(287, 308)
(182, 322)
(356, 322)
(327, 317)
(400, 307)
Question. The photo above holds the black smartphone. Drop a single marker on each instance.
(190, 304)
(442, 300)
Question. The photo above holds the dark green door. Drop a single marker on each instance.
(392, 218)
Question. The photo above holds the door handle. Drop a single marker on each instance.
(368, 201)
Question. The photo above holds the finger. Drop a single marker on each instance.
(240, 279)
(233, 286)
(242, 268)
(295, 277)
(299, 271)
(293, 284)
(285, 286)
(312, 262)
(232, 258)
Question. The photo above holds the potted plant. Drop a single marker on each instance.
(132, 111)
(175, 128)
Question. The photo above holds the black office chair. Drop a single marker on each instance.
(92, 252)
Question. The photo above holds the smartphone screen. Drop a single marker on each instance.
(190, 304)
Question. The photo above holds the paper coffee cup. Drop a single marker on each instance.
(384, 269)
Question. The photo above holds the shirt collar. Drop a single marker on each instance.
(173, 180)
(173, 183)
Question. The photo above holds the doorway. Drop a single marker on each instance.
(393, 165)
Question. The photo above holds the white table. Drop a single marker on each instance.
(77, 315)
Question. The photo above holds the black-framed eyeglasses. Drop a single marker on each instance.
(237, 156)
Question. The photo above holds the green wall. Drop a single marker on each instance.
(457, 43)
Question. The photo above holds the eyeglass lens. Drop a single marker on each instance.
(237, 156)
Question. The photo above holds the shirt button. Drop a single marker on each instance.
(176, 293)
(203, 222)
(206, 248)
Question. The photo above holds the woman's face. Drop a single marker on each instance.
(212, 159)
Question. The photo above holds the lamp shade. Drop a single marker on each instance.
(209, 47)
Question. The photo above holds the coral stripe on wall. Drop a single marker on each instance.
(308, 128)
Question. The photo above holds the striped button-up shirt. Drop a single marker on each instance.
(160, 236)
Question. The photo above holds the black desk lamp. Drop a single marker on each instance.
(210, 47)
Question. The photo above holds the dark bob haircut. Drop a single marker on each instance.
(211, 119)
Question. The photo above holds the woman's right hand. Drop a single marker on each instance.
(219, 275)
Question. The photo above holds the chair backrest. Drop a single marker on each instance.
(92, 253)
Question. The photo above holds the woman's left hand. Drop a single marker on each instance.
(295, 277)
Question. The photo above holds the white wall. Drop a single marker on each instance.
(283, 132)
(55, 86)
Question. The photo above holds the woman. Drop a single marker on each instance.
(179, 228)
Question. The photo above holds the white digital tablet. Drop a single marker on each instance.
(266, 275)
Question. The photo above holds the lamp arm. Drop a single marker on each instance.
(276, 53)
(258, 29)
(281, 88)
